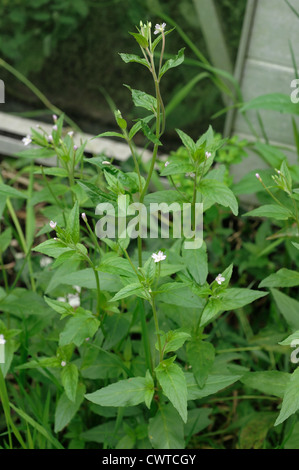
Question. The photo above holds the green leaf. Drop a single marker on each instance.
(171, 63)
(133, 58)
(142, 41)
(160, 197)
(174, 340)
(82, 325)
(282, 278)
(69, 379)
(103, 433)
(230, 299)
(150, 389)
(149, 134)
(182, 297)
(110, 134)
(219, 193)
(106, 366)
(130, 392)
(86, 278)
(66, 409)
(214, 384)
(166, 429)
(272, 382)
(290, 403)
(9, 191)
(53, 248)
(288, 307)
(132, 289)
(56, 171)
(96, 195)
(5, 239)
(274, 101)
(188, 142)
(143, 100)
(41, 362)
(198, 419)
(112, 263)
(197, 263)
(63, 308)
(177, 165)
(270, 210)
(271, 155)
(35, 153)
(201, 356)
(173, 383)
(73, 223)
(290, 339)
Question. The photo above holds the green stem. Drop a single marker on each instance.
(22, 241)
(157, 327)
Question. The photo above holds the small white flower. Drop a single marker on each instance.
(208, 154)
(74, 300)
(54, 117)
(220, 279)
(50, 138)
(158, 256)
(27, 140)
(77, 289)
(159, 28)
(166, 163)
(83, 215)
(45, 261)
(192, 175)
(61, 299)
(258, 176)
(71, 133)
(55, 128)
(2, 340)
(63, 363)
(75, 147)
(53, 224)
(106, 163)
(87, 339)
